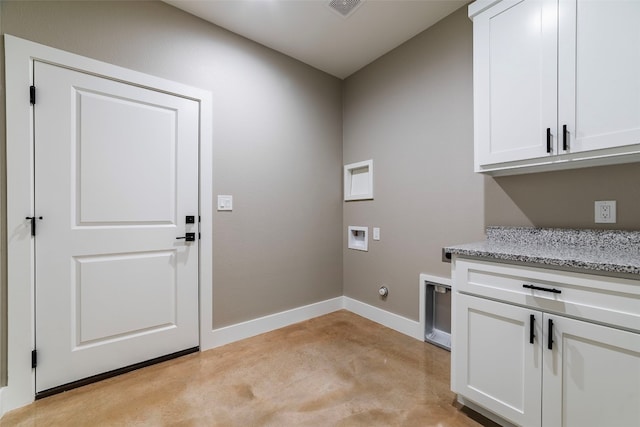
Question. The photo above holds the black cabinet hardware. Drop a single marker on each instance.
(565, 138)
(550, 335)
(548, 140)
(33, 220)
(538, 288)
(532, 327)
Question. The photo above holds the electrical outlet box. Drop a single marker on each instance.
(358, 238)
(605, 212)
(358, 181)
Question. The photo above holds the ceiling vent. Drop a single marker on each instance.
(345, 7)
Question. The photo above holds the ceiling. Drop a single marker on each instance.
(314, 33)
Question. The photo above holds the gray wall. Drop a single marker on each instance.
(565, 198)
(411, 112)
(277, 142)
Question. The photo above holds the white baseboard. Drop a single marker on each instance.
(386, 318)
(250, 328)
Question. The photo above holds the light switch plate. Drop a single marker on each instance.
(376, 233)
(225, 203)
(605, 212)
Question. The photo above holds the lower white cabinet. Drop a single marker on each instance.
(533, 366)
(495, 365)
(591, 376)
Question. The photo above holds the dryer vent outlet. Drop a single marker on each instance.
(344, 7)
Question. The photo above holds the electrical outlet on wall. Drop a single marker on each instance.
(605, 211)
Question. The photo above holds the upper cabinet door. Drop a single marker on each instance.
(599, 69)
(515, 81)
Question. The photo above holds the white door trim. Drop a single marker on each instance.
(19, 57)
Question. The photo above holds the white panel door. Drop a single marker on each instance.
(496, 364)
(515, 81)
(591, 376)
(116, 173)
(599, 65)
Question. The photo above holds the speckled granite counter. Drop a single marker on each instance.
(603, 251)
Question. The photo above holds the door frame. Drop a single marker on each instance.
(19, 58)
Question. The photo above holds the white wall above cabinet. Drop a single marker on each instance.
(358, 181)
(555, 84)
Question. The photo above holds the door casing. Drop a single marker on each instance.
(19, 57)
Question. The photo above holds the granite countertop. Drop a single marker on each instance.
(604, 251)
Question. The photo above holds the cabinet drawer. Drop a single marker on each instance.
(608, 300)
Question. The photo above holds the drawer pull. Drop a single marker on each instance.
(532, 326)
(550, 335)
(538, 288)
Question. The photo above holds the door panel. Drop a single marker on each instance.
(496, 365)
(599, 64)
(116, 174)
(515, 78)
(109, 163)
(122, 283)
(591, 376)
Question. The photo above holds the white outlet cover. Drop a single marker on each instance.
(225, 203)
(605, 212)
(376, 233)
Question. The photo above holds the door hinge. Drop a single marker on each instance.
(32, 95)
(34, 359)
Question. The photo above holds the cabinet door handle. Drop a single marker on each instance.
(548, 140)
(33, 220)
(538, 288)
(532, 326)
(565, 138)
(550, 335)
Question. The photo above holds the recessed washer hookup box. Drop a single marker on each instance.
(438, 315)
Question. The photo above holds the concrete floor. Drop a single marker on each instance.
(335, 370)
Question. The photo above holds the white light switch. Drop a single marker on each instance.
(376, 233)
(225, 203)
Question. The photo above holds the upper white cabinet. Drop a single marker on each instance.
(515, 80)
(599, 65)
(555, 84)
